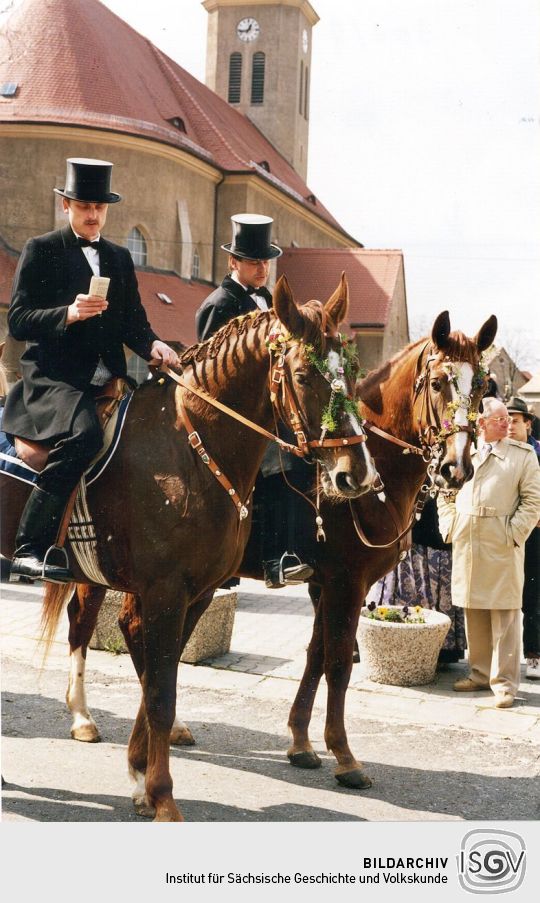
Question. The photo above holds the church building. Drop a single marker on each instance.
(78, 81)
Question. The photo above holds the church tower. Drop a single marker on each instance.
(259, 60)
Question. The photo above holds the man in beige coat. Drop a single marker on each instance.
(487, 523)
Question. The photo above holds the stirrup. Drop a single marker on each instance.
(69, 576)
(303, 571)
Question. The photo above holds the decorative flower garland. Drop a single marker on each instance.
(452, 371)
(339, 401)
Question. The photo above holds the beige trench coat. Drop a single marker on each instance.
(488, 523)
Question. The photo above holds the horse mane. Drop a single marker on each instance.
(239, 326)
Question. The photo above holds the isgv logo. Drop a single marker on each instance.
(491, 862)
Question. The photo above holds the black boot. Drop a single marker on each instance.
(286, 571)
(38, 530)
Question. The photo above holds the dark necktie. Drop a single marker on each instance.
(86, 243)
(251, 290)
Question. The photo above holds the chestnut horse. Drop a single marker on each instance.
(419, 409)
(167, 530)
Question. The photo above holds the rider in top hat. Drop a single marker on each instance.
(242, 290)
(74, 346)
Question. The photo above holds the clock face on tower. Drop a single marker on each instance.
(248, 29)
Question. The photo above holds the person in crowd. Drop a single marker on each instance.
(74, 346)
(244, 289)
(521, 422)
(423, 578)
(487, 522)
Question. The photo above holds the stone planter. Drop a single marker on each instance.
(211, 637)
(404, 655)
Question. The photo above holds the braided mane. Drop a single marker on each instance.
(208, 350)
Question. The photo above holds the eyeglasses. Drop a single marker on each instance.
(500, 419)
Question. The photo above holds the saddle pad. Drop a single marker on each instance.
(14, 467)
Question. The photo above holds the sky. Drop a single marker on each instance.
(423, 136)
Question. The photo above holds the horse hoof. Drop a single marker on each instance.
(305, 759)
(86, 733)
(144, 809)
(168, 813)
(182, 736)
(355, 779)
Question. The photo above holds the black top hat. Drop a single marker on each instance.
(518, 405)
(89, 180)
(251, 237)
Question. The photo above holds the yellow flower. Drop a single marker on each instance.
(382, 611)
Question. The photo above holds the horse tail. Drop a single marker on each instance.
(54, 599)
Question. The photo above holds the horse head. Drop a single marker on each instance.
(316, 393)
(448, 393)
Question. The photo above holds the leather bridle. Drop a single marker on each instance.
(429, 449)
(286, 408)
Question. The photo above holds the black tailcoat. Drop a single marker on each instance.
(229, 300)
(60, 361)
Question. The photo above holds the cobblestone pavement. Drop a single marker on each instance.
(271, 631)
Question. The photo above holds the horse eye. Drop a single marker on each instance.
(436, 385)
(301, 378)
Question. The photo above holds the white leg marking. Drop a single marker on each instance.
(83, 727)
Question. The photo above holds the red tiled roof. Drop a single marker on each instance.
(75, 62)
(372, 277)
(172, 322)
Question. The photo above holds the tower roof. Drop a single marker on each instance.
(74, 62)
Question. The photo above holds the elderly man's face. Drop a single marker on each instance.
(494, 424)
(519, 428)
(86, 219)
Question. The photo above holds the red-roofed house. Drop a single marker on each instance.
(377, 314)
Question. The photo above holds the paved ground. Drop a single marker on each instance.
(433, 754)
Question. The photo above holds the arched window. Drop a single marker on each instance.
(195, 265)
(301, 91)
(137, 246)
(235, 77)
(257, 78)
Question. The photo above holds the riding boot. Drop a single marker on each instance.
(38, 530)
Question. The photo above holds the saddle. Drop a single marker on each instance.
(36, 454)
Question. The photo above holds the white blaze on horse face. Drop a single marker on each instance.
(463, 391)
(335, 367)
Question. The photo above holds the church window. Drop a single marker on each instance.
(195, 265)
(306, 93)
(235, 77)
(257, 78)
(137, 246)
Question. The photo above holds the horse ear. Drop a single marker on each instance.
(486, 334)
(441, 331)
(337, 305)
(286, 309)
